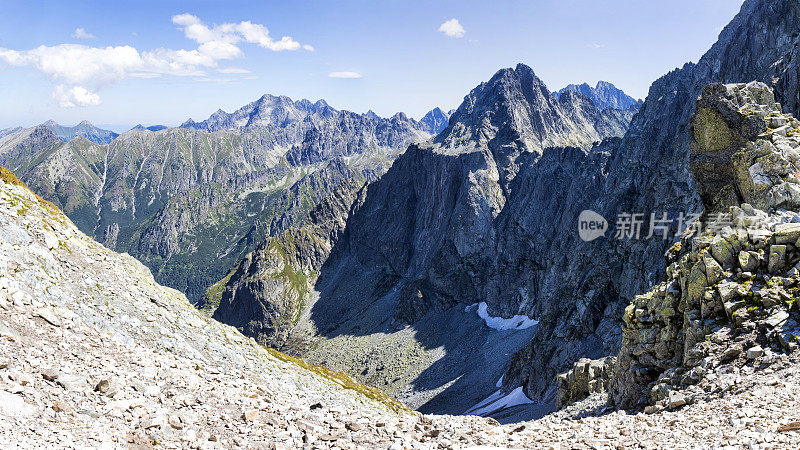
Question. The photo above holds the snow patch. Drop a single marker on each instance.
(518, 322)
(500, 381)
(498, 402)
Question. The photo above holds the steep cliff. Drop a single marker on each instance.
(648, 172)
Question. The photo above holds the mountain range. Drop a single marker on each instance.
(604, 95)
(190, 202)
(484, 214)
(329, 264)
(384, 295)
(84, 129)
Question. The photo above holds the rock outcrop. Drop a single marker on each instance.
(744, 149)
(731, 291)
(586, 377)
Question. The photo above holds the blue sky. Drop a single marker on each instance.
(161, 62)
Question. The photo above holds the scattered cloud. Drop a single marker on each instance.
(229, 34)
(232, 70)
(452, 28)
(75, 96)
(596, 45)
(80, 33)
(345, 75)
(308, 48)
(81, 70)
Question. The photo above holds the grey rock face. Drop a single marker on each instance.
(603, 95)
(743, 149)
(647, 172)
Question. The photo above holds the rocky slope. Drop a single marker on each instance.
(84, 129)
(422, 243)
(603, 95)
(191, 202)
(264, 295)
(104, 356)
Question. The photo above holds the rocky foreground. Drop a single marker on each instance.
(96, 354)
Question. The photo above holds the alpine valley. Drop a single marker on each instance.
(293, 275)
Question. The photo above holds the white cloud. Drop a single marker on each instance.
(75, 96)
(78, 64)
(345, 75)
(232, 70)
(80, 33)
(452, 28)
(81, 70)
(308, 48)
(596, 45)
(233, 33)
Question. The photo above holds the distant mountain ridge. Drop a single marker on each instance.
(604, 95)
(84, 129)
(141, 127)
(190, 201)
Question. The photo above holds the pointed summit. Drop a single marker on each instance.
(435, 121)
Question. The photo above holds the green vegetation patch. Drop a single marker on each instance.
(344, 381)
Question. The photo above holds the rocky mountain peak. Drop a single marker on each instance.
(603, 95)
(435, 121)
(515, 112)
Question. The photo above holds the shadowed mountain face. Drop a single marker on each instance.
(386, 297)
(603, 95)
(191, 202)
